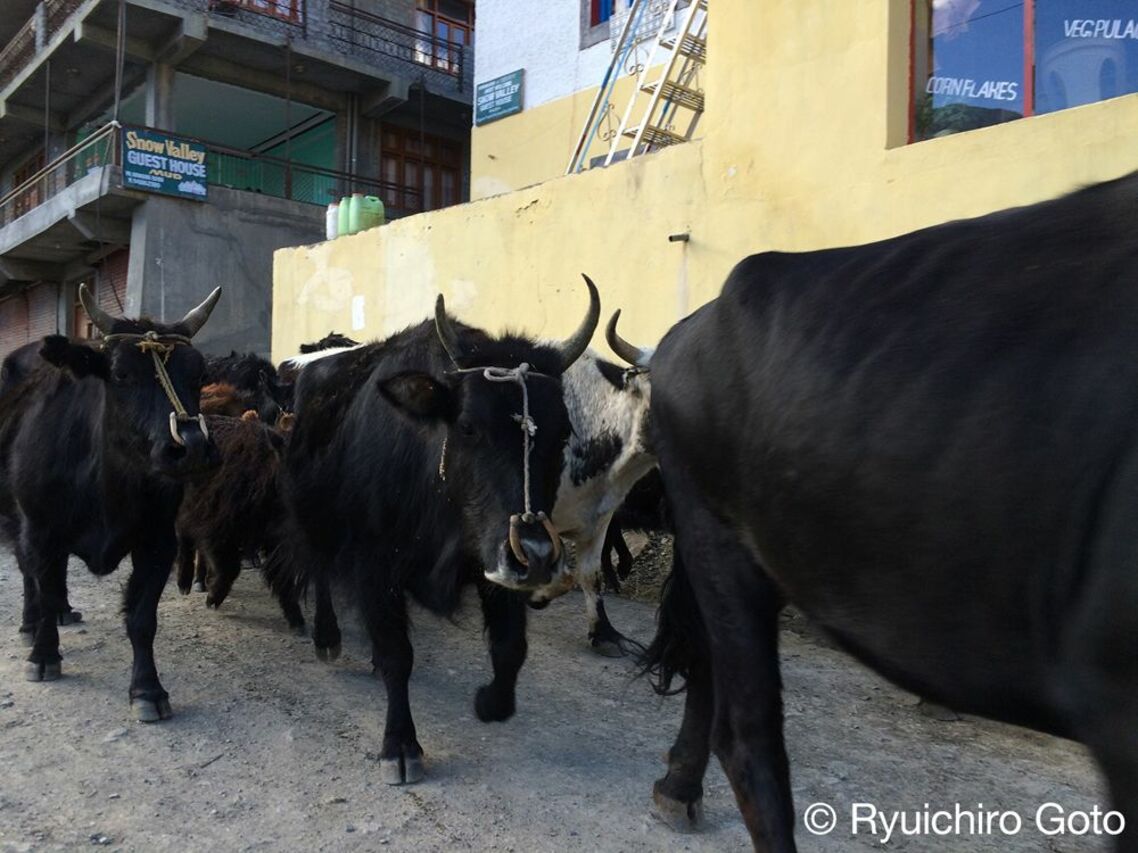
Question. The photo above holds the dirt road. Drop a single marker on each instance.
(271, 750)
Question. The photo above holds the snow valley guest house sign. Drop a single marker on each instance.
(160, 163)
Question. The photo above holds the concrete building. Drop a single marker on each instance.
(826, 124)
(237, 122)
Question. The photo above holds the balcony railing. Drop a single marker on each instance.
(17, 53)
(99, 149)
(363, 33)
(343, 28)
(56, 13)
(273, 176)
(225, 167)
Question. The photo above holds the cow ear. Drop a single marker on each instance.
(419, 395)
(78, 359)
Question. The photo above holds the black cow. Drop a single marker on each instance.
(234, 513)
(92, 448)
(255, 381)
(927, 445)
(404, 476)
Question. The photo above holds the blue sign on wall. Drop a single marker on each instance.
(160, 163)
(499, 97)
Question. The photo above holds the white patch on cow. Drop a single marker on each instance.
(298, 361)
(583, 509)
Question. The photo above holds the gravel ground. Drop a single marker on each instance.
(271, 750)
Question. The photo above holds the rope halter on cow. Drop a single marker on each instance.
(160, 346)
(529, 429)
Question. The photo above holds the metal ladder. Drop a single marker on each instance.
(675, 97)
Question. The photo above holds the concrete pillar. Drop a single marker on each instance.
(65, 316)
(160, 96)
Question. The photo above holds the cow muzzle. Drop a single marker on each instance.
(531, 555)
(189, 452)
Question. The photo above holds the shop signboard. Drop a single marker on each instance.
(159, 162)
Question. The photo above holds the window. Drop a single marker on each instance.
(600, 11)
(451, 22)
(419, 174)
(33, 195)
(982, 62)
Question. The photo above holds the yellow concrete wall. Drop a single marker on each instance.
(802, 148)
(535, 145)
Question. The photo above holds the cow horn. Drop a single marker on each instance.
(635, 356)
(574, 347)
(102, 320)
(445, 330)
(195, 319)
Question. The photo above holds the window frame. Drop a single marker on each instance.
(401, 155)
(1029, 83)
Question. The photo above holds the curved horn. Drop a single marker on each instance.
(102, 320)
(633, 355)
(574, 347)
(447, 335)
(195, 319)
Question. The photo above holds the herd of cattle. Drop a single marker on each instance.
(927, 444)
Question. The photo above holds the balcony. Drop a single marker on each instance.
(314, 50)
(76, 208)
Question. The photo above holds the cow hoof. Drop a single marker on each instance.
(150, 711)
(199, 586)
(491, 706)
(212, 603)
(680, 815)
(71, 617)
(405, 770)
(328, 653)
(27, 637)
(298, 630)
(37, 671)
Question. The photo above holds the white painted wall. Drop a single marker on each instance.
(543, 37)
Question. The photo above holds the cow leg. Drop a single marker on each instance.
(623, 557)
(614, 540)
(325, 629)
(150, 569)
(679, 795)
(401, 758)
(1097, 680)
(68, 616)
(224, 567)
(187, 554)
(288, 597)
(604, 639)
(504, 615)
(747, 734)
(31, 615)
(46, 567)
(739, 607)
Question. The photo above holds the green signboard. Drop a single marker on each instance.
(161, 163)
(499, 97)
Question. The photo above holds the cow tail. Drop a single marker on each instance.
(680, 644)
